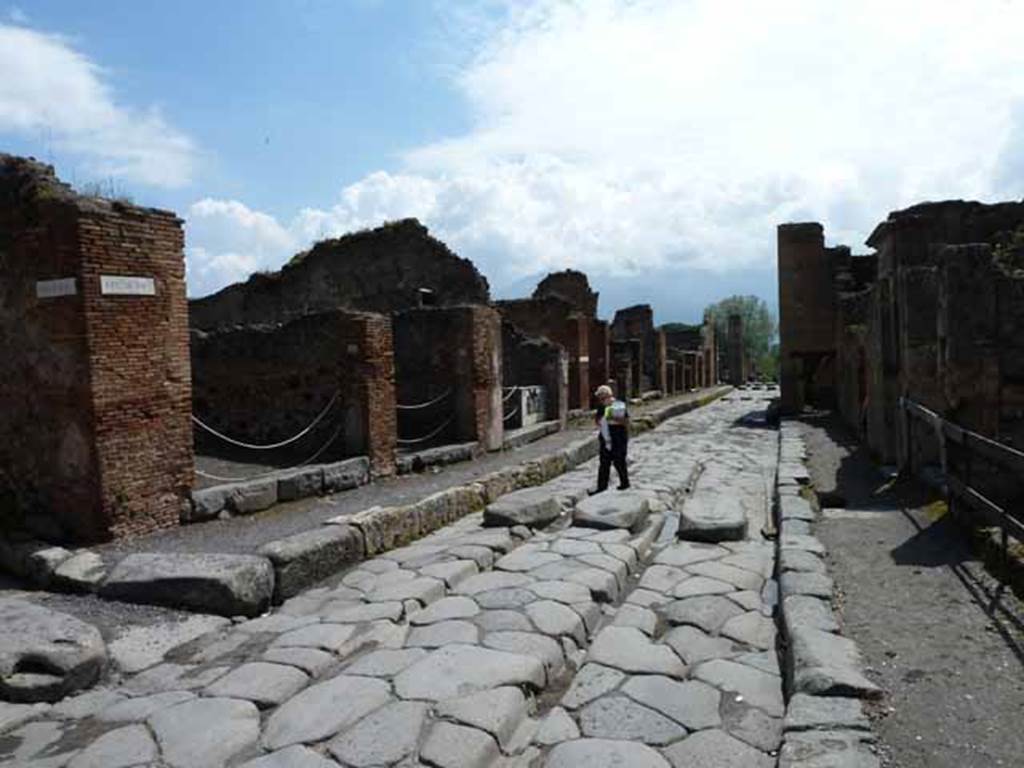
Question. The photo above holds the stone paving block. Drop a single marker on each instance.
(124, 747)
(568, 592)
(13, 715)
(459, 670)
(753, 629)
(661, 578)
(555, 619)
(500, 712)
(604, 753)
(738, 577)
(694, 645)
(761, 562)
(795, 508)
(824, 664)
(716, 749)
(445, 609)
(817, 585)
(644, 619)
(252, 496)
(603, 585)
(442, 633)
(804, 543)
(456, 746)
(531, 506)
(305, 558)
(613, 509)
(573, 546)
(825, 713)
(86, 704)
(291, 757)
(766, 661)
(354, 614)
(383, 737)
(751, 725)
(708, 613)
(263, 683)
(205, 732)
(329, 637)
(491, 580)
(323, 710)
(758, 688)
(504, 598)
(712, 517)
(692, 704)
(684, 554)
(451, 572)
(629, 650)
(64, 653)
(300, 483)
(827, 749)
(540, 647)
(619, 717)
(482, 556)
(423, 589)
(697, 586)
(82, 572)
(791, 559)
(523, 560)
(807, 611)
(499, 620)
(138, 709)
(226, 585)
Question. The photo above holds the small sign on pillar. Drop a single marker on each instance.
(127, 285)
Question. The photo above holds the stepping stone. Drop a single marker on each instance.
(499, 712)
(828, 665)
(618, 717)
(323, 710)
(629, 650)
(708, 613)
(205, 733)
(692, 704)
(758, 688)
(604, 753)
(266, 685)
(712, 517)
(226, 585)
(445, 609)
(694, 645)
(128, 746)
(716, 748)
(382, 738)
(825, 713)
(627, 510)
(456, 746)
(591, 681)
(534, 507)
(443, 633)
(459, 670)
(291, 757)
(46, 654)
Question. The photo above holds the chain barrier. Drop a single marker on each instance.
(261, 475)
(512, 415)
(427, 404)
(269, 446)
(425, 438)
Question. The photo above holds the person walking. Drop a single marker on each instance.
(612, 420)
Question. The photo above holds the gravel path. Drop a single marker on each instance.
(936, 632)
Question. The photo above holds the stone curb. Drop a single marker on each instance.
(823, 674)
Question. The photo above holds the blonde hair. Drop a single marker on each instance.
(603, 391)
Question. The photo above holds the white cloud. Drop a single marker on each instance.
(624, 136)
(49, 88)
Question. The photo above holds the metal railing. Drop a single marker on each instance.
(960, 451)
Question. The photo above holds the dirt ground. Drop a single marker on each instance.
(938, 633)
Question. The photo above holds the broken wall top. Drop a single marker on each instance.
(378, 270)
(950, 221)
(572, 286)
(634, 322)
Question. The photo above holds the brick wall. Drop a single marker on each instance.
(531, 361)
(264, 384)
(599, 337)
(95, 439)
(571, 286)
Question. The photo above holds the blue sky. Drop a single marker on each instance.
(655, 144)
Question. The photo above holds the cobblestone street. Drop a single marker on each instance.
(480, 646)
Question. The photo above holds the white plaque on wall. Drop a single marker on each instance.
(126, 285)
(51, 289)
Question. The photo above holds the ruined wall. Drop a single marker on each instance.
(530, 361)
(637, 322)
(600, 338)
(555, 319)
(456, 349)
(806, 313)
(95, 439)
(737, 351)
(661, 381)
(380, 270)
(264, 384)
(570, 286)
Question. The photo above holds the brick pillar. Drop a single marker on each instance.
(577, 345)
(599, 337)
(375, 379)
(556, 380)
(636, 362)
(486, 376)
(660, 362)
(95, 424)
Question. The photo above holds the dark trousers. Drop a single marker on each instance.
(615, 454)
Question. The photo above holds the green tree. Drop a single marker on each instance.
(759, 330)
